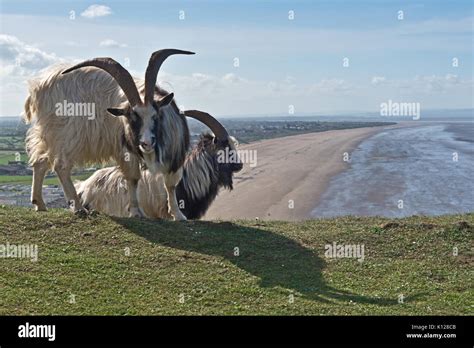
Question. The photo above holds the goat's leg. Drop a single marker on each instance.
(39, 171)
(131, 170)
(173, 208)
(64, 174)
(135, 210)
(171, 180)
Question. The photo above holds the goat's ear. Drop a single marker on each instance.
(166, 100)
(117, 111)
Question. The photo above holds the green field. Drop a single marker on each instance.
(6, 156)
(11, 142)
(26, 179)
(190, 268)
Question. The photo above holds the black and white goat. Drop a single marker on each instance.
(151, 130)
(208, 167)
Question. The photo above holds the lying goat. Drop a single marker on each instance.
(204, 173)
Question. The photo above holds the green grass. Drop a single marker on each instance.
(9, 142)
(6, 156)
(26, 179)
(190, 268)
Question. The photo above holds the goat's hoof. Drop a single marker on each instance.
(39, 205)
(81, 212)
(180, 217)
(93, 212)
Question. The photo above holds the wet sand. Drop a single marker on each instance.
(427, 168)
(290, 176)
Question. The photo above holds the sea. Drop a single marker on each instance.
(423, 170)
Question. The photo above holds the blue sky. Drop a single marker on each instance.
(282, 62)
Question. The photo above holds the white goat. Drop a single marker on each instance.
(151, 131)
(204, 173)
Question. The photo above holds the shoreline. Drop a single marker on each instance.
(291, 171)
(411, 164)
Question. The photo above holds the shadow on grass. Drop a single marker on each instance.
(275, 259)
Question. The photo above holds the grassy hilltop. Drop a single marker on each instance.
(192, 267)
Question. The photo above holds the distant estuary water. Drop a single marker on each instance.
(425, 170)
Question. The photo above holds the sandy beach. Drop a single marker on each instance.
(290, 176)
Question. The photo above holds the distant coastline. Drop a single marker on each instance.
(292, 173)
(301, 173)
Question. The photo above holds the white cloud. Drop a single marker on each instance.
(20, 59)
(231, 93)
(378, 80)
(437, 84)
(111, 43)
(232, 78)
(332, 85)
(96, 11)
(421, 84)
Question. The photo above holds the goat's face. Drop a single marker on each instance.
(141, 114)
(143, 121)
(226, 155)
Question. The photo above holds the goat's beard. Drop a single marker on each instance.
(151, 162)
(226, 180)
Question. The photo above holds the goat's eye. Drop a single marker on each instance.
(134, 115)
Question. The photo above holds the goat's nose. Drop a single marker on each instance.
(147, 144)
(238, 167)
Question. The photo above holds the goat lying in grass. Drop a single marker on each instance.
(204, 173)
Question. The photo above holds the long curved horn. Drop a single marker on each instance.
(216, 127)
(154, 64)
(118, 72)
